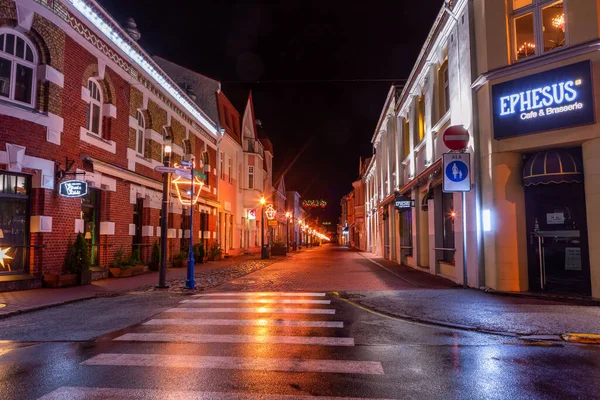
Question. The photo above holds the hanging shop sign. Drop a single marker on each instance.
(251, 213)
(272, 222)
(555, 99)
(314, 203)
(403, 203)
(73, 188)
(270, 211)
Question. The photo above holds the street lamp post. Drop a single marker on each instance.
(190, 282)
(162, 275)
(287, 229)
(263, 253)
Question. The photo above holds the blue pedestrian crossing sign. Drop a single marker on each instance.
(457, 167)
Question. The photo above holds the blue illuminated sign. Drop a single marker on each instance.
(555, 99)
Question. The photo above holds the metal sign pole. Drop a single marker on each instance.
(464, 228)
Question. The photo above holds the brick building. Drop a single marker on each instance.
(79, 95)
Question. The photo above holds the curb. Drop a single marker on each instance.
(583, 338)
(45, 306)
(557, 298)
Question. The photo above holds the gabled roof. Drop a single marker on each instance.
(204, 88)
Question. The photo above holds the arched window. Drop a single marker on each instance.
(17, 68)
(93, 115)
(141, 126)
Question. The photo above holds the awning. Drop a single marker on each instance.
(553, 166)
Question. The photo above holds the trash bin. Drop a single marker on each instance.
(265, 251)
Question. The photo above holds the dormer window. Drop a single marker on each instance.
(93, 114)
(17, 68)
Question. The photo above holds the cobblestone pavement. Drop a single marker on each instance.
(209, 278)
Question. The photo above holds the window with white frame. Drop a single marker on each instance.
(537, 27)
(250, 177)
(93, 114)
(141, 126)
(229, 169)
(444, 88)
(17, 68)
(221, 165)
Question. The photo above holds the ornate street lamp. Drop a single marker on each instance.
(263, 251)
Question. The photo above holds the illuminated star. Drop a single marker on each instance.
(3, 256)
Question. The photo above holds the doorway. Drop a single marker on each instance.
(557, 252)
(90, 213)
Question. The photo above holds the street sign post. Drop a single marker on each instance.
(185, 163)
(456, 138)
(184, 173)
(457, 171)
(163, 169)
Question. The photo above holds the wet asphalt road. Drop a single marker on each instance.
(280, 346)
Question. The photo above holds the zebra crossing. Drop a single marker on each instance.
(294, 321)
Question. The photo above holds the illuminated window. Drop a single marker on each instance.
(229, 169)
(17, 68)
(538, 26)
(421, 117)
(93, 114)
(141, 126)
(406, 139)
(250, 177)
(221, 166)
(444, 87)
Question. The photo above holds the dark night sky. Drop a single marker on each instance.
(285, 45)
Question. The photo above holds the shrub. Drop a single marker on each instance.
(215, 250)
(155, 257)
(78, 259)
(278, 244)
(198, 252)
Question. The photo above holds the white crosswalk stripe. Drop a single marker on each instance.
(242, 363)
(83, 393)
(261, 301)
(194, 325)
(246, 322)
(261, 310)
(199, 338)
(260, 294)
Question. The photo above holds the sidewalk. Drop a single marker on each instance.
(29, 300)
(444, 303)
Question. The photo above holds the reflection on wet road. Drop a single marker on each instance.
(280, 349)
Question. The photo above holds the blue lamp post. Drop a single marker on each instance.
(190, 282)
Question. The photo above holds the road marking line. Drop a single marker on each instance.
(96, 393)
(202, 338)
(243, 363)
(261, 301)
(288, 294)
(247, 322)
(260, 310)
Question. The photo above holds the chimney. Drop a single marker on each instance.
(131, 29)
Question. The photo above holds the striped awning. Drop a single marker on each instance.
(553, 166)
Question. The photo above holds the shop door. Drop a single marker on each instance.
(558, 255)
(386, 234)
(90, 213)
(405, 229)
(14, 223)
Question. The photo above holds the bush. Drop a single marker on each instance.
(198, 252)
(215, 250)
(136, 258)
(155, 257)
(78, 259)
(183, 255)
(278, 244)
(122, 262)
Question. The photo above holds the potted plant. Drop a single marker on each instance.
(78, 260)
(155, 257)
(199, 253)
(278, 248)
(180, 259)
(122, 266)
(215, 252)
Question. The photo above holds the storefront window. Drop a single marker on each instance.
(406, 233)
(448, 233)
(525, 43)
(14, 223)
(520, 3)
(553, 19)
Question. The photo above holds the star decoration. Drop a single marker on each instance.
(3, 256)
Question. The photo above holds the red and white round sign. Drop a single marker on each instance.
(456, 137)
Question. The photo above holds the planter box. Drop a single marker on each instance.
(278, 251)
(85, 277)
(58, 281)
(122, 273)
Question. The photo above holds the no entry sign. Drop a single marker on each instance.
(456, 137)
